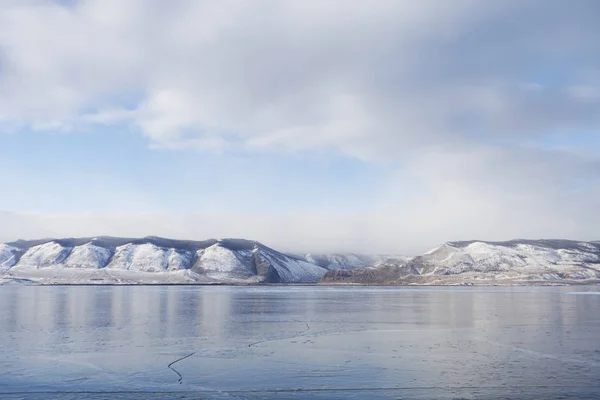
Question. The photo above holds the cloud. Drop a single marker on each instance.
(495, 193)
(464, 98)
(365, 79)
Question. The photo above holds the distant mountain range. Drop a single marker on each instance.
(480, 262)
(153, 260)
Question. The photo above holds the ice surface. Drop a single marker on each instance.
(298, 342)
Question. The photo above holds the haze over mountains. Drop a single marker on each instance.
(109, 260)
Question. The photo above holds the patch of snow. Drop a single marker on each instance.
(45, 255)
(88, 256)
(140, 257)
(588, 246)
(291, 270)
(514, 261)
(179, 260)
(218, 259)
(8, 257)
(435, 249)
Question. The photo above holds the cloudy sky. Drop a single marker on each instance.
(383, 125)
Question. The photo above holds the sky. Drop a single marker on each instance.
(387, 126)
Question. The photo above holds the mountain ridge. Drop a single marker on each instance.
(152, 259)
(518, 261)
(113, 259)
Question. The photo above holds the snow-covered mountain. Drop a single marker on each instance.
(238, 261)
(516, 261)
(152, 260)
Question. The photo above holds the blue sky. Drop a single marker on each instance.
(115, 170)
(390, 127)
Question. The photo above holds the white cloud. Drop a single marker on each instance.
(364, 78)
(462, 95)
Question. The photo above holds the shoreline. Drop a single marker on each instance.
(324, 285)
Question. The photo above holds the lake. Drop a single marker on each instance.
(108, 342)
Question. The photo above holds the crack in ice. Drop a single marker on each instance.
(176, 361)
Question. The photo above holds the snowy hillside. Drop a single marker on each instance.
(517, 261)
(532, 260)
(87, 256)
(152, 260)
(155, 260)
(8, 257)
(235, 259)
(148, 257)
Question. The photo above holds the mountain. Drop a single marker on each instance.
(515, 261)
(152, 260)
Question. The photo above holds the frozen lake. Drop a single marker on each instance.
(299, 342)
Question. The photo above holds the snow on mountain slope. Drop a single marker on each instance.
(117, 260)
(179, 259)
(477, 261)
(218, 259)
(537, 260)
(236, 259)
(45, 255)
(156, 260)
(148, 257)
(8, 257)
(285, 269)
(88, 256)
